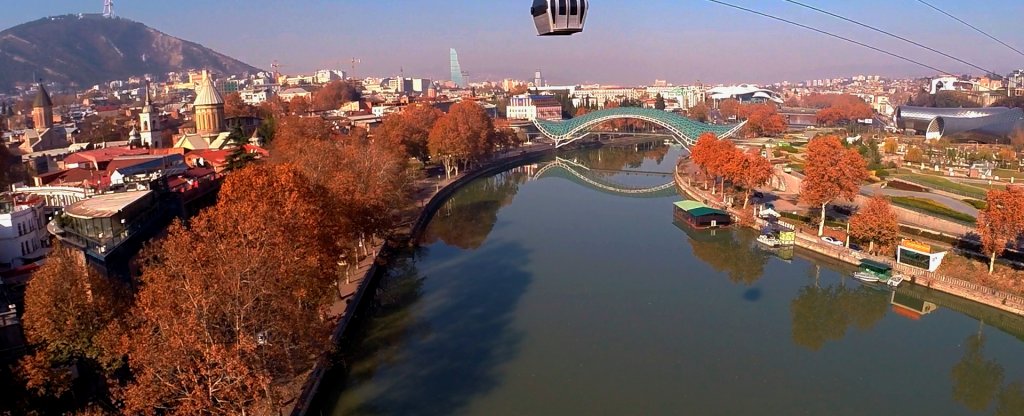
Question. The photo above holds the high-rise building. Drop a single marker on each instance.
(538, 79)
(457, 70)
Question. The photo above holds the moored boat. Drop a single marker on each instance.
(866, 277)
(769, 240)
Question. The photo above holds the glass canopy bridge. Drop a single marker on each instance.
(684, 130)
(591, 178)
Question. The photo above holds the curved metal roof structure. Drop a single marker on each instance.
(685, 130)
(988, 124)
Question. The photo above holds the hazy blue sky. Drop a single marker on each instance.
(625, 42)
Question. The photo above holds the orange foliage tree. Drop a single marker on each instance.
(409, 131)
(299, 106)
(764, 120)
(1001, 222)
(839, 108)
(464, 136)
(235, 107)
(234, 305)
(749, 170)
(876, 221)
(333, 95)
(698, 112)
(729, 108)
(71, 318)
(831, 172)
(702, 154)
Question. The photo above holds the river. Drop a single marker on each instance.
(547, 295)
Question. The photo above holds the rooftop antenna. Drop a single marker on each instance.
(108, 8)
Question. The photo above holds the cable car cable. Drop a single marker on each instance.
(970, 26)
(830, 34)
(890, 34)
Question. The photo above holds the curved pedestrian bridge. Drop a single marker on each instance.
(684, 130)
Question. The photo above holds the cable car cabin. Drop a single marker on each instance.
(559, 17)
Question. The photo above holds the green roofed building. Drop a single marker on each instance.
(699, 215)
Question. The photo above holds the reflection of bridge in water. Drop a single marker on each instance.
(592, 178)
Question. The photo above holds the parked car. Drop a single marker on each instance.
(831, 240)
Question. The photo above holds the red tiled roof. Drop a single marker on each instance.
(73, 175)
(103, 155)
(215, 157)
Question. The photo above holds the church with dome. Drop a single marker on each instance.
(208, 115)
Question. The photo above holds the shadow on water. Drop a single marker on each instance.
(450, 347)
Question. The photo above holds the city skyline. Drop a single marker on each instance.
(679, 41)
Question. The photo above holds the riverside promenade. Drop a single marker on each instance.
(808, 239)
(428, 195)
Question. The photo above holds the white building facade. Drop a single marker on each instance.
(23, 235)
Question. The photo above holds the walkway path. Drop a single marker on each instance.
(953, 203)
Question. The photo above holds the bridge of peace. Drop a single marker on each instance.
(684, 131)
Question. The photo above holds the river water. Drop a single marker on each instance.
(536, 292)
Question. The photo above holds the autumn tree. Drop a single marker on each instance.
(749, 170)
(300, 106)
(333, 95)
(409, 132)
(235, 107)
(232, 308)
(914, 155)
(876, 221)
(702, 154)
(464, 136)
(71, 315)
(371, 184)
(294, 133)
(698, 112)
(729, 108)
(831, 172)
(890, 146)
(764, 120)
(1001, 222)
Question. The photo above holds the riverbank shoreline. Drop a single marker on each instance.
(443, 190)
(985, 296)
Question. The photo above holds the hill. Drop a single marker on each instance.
(91, 49)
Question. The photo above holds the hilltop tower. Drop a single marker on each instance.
(209, 108)
(42, 110)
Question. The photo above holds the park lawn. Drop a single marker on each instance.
(944, 184)
(1006, 173)
(931, 207)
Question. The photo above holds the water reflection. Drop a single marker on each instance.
(509, 324)
(469, 216)
(729, 251)
(825, 313)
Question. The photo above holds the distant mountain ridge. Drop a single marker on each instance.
(91, 49)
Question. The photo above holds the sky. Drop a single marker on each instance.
(626, 42)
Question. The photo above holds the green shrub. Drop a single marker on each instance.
(976, 203)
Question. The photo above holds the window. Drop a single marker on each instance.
(562, 8)
(574, 7)
(583, 10)
(539, 7)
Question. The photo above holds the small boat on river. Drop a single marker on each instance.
(769, 240)
(873, 271)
